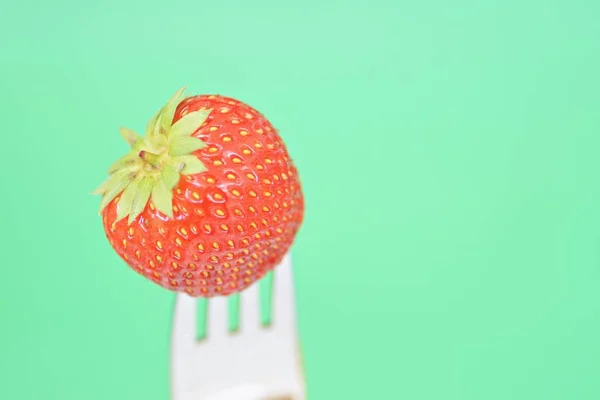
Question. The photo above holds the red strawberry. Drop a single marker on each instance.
(208, 202)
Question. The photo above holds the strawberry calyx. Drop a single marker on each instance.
(153, 166)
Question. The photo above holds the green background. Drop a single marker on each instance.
(449, 156)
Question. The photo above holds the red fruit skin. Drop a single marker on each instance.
(232, 223)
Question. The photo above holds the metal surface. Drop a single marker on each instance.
(254, 363)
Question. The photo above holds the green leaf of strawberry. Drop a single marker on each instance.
(155, 160)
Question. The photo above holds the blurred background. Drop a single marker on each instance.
(449, 156)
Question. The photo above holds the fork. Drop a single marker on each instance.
(256, 362)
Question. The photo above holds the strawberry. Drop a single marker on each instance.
(207, 202)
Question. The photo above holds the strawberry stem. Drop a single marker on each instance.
(150, 158)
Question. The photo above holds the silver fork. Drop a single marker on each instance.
(255, 363)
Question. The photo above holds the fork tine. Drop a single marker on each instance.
(184, 320)
(250, 309)
(218, 318)
(283, 294)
